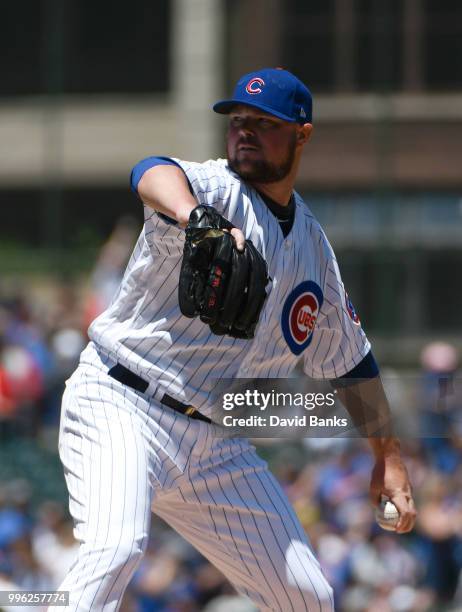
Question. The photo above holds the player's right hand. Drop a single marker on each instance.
(390, 478)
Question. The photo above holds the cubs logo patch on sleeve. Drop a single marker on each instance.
(351, 310)
(299, 315)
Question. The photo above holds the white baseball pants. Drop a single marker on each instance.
(126, 455)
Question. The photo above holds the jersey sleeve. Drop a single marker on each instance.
(210, 182)
(146, 164)
(339, 343)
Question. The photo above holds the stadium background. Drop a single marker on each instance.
(88, 89)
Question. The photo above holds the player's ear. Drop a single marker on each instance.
(304, 133)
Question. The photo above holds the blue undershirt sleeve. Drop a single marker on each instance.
(367, 368)
(144, 165)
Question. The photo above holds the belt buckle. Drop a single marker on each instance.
(190, 410)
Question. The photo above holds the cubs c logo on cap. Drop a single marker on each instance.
(351, 310)
(299, 315)
(252, 86)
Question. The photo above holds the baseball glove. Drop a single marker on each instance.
(218, 283)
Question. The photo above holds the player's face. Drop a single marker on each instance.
(260, 147)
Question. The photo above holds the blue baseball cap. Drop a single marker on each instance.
(273, 90)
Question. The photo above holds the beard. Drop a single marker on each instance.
(263, 171)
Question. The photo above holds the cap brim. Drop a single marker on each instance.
(224, 107)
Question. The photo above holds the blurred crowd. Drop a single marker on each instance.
(43, 330)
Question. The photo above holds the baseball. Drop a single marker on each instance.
(387, 515)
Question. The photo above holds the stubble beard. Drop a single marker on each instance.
(262, 171)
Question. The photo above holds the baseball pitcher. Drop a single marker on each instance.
(231, 277)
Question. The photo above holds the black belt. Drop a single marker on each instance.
(126, 377)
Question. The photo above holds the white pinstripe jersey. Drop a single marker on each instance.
(306, 315)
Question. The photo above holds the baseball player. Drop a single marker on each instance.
(136, 435)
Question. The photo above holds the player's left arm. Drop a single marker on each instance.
(162, 184)
(363, 395)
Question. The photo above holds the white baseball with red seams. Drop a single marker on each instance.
(387, 515)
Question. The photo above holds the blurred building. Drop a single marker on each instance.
(88, 89)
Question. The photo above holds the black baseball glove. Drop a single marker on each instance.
(218, 283)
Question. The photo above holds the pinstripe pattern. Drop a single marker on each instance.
(124, 455)
(144, 329)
